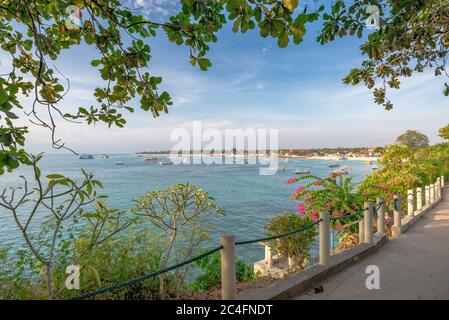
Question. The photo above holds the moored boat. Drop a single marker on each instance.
(302, 170)
(85, 156)
(342, 170)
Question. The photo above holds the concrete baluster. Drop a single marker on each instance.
(396, 229)
(432, 193)
(268, 256)
(228, 270)
(380, 216)
(427, 194)
(324, 234)
(368, 223)
(410, 206)
(418, 199)
(361, 231)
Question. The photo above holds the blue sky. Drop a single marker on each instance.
(252, 84)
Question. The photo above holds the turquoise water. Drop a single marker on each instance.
(249, 199)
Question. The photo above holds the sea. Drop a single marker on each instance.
(249, 199)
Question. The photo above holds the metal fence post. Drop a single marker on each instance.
(368, 222)
(324, 234)
(418, 199)
(410, 206)
(380, 216)
(396, 229)
(228, 271)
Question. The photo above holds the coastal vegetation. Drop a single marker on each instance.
(111, 245)
(413, 138)
(401, 168)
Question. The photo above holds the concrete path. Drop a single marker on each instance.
(414, 266)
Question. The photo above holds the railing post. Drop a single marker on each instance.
(380, 215)
(228, 271)
(368, 222)
(442, 181)
(427, 191)
(396, 229)
(418, 199)
(324, 233)
(437, 196)
(361, 231)
(268, 256)
(432, 193)
(410, 206)
(438, 184)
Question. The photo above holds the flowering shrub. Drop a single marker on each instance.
(296, 246)
(335, 194)
(403, 168)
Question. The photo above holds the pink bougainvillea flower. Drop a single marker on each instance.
(338, 226)
(314, 217)
(301, 208)
(291, 180)
(298, 190)
(317, 183)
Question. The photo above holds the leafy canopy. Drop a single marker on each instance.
(413, 138)
(412, 36)
(444, 132)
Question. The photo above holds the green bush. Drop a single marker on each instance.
(296, 246)
(211, 275)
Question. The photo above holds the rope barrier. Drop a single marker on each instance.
(130, 282)
(144, 277)
(238, 243)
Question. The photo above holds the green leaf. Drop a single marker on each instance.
(290, 4)
(283, 39)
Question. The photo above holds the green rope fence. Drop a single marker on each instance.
(144, 277)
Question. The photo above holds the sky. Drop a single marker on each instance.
(251, 84)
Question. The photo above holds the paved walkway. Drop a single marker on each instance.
(414, 266)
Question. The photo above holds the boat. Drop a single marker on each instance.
(334, 165)
(85, 156)
(150, 159)
(368, 162)
(103, 156)
(165, 162)
(374, 168)
(120, 163)
(279, 168)
(302, 170)
(342, 170)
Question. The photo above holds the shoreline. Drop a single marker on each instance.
(329, 158)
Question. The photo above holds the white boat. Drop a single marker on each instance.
(103, 156)
(334, 165)
(165, 162)
(120, 163)
(279, 168)
(342, 170)
(302, 170)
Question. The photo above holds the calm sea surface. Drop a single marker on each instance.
(249, 199)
